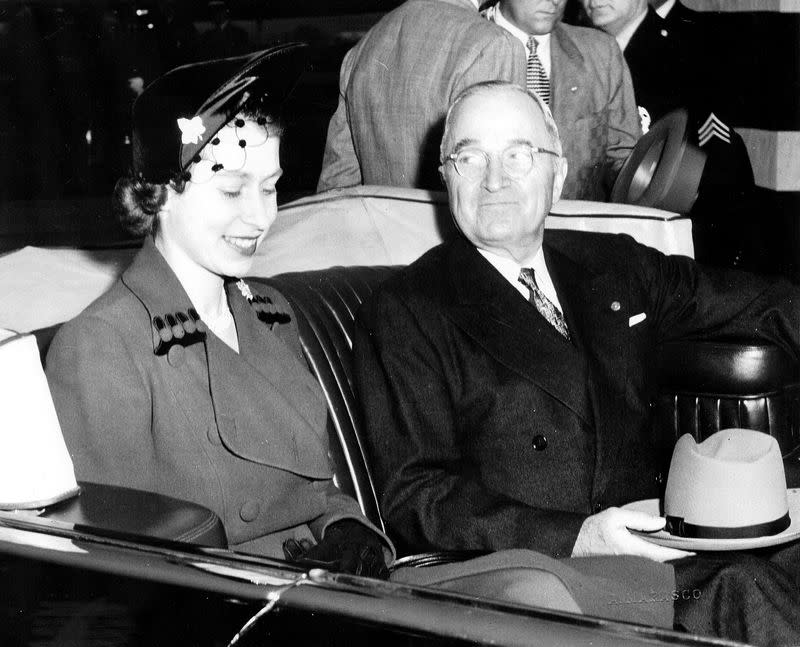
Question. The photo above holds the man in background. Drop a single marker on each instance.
(395, 86)
(583, 78)
(670, 70)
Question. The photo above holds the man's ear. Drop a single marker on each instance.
(441, 175)
(559, 175)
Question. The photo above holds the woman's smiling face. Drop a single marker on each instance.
(222, 216)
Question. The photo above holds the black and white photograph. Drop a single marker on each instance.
(399, 323)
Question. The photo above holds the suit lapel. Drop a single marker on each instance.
(269, 408)
(592, 304)
(510, 329)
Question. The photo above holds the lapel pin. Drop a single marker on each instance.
(615, 306)
(574, 88)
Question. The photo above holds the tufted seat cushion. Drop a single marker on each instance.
(708, 386)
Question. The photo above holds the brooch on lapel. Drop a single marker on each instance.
(266, 311)
(177, 328)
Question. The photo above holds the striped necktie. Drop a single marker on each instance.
(535, 77)
(545, 307)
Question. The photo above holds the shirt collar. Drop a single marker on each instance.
(496, 16)
(509, 268)
(542, 40)
(624, 37)
(665, 8)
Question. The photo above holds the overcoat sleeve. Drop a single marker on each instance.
(103, 402)
(692, 301)
(340, 167)
(428, 497)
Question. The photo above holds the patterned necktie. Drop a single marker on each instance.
(535, 77)
(545, 307)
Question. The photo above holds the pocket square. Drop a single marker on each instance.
(635, 319)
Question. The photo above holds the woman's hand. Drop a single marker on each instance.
(347, 547)
(608, 533)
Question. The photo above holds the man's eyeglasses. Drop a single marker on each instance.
(517, 161)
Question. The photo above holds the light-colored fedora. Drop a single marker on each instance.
(730, 486)
(726, 493)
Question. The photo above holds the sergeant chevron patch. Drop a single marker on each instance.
(713, 127)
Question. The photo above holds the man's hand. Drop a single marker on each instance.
(607, 533)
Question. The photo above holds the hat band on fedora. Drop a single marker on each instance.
(677, 526)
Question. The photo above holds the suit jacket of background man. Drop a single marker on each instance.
(242, 434)
(593, 104)
(487, 430)
(396, 85)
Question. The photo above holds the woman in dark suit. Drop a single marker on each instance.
(183, 379)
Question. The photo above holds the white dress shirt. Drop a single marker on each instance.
(494, 14)
(509, 268)
(665, 8)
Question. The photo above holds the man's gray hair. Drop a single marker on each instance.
(488, 86)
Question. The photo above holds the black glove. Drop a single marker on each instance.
(347, 547)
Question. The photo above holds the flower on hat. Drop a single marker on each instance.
(191, 129)
(247, 293)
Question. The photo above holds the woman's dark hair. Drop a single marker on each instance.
(136, 202)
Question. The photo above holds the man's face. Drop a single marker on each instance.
(533, 16)
(613, 16)
(496, 212)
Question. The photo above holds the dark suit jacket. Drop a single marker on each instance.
(594, 108)
(396, 84)
(486, 429)
(243, 434)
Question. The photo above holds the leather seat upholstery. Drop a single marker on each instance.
(708, 386)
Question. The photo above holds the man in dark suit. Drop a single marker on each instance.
(395, 86)
(507, 375)
(589, 87)
(670, 69)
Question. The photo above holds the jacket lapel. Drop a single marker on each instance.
(592, 304)
(510, 329)
(269, 407)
